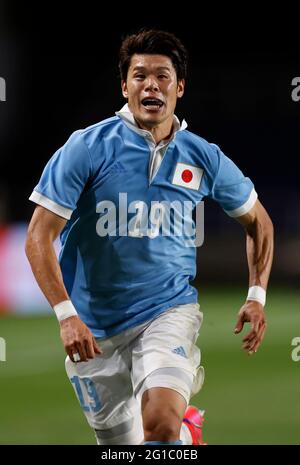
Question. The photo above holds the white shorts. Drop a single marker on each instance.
(159, 353)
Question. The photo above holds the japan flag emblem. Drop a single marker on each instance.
(187, 176)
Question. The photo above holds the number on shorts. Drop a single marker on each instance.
(94, 403)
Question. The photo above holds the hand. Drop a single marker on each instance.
(253, 313)
(77, 338)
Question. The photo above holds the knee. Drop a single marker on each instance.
(162, 426)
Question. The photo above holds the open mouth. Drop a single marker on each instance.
(152, 103)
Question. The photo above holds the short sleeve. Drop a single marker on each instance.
(64, 177)
(231, 189)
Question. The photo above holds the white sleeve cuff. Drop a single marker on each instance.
(54, 207)
(245, 207)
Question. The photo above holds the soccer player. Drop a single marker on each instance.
(121, 195)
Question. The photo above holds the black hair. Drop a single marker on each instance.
(152, 41)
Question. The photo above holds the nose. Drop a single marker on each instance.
(152, 84)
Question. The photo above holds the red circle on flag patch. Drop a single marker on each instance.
(187, 175)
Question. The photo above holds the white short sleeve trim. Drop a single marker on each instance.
(54, 207)
(244, 208)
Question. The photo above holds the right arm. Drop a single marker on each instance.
(43, 229)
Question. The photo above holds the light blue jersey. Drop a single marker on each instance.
(125, 257)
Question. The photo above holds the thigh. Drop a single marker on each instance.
(103, 387)
(168, 344)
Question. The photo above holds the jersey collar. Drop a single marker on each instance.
(127, 116)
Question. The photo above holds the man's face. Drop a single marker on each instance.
(152, 89)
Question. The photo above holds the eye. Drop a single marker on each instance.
(139, 76)
(162, 76)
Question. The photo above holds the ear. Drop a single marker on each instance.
(180, 88)
(124, 88)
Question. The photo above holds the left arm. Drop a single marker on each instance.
(259, 244)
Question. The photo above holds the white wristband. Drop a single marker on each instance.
(257, 293)
(64, 310)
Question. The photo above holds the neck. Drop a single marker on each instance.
(160, 132)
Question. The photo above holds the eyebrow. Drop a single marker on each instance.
(159, 68)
